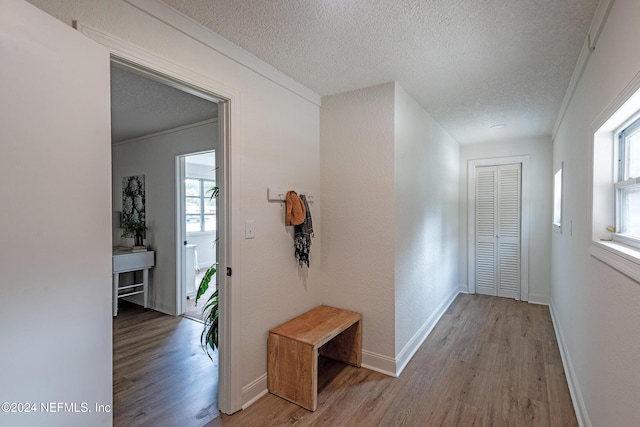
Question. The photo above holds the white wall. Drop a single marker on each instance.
(540, 202)
(358, 197)
(55, 223)
(275, 142)
(594, 306)
(155, 158)
(426, 223)
(390, 208)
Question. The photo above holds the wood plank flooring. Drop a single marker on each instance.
(488, 362)
(161, 376)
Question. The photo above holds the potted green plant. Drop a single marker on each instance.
(134, 229)
(210, 311)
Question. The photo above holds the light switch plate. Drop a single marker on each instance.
(249, 229)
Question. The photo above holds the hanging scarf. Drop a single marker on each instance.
(303, 235)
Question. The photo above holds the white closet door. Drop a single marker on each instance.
(498, 217)
(486, 204)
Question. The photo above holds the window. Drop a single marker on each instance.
(200, 208)
(615, 189)
(557, 199)
(627, 186)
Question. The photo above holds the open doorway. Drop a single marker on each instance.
(155, 119)
(197, 226)
(153, 123)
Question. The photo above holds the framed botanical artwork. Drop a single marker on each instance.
(133, 204)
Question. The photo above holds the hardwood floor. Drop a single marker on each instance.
(161, 376)
(488, 362)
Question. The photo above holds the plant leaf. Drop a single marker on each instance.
(204, 283)
(214, 192)
(209, 336)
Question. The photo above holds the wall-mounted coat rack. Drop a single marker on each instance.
(275, 194)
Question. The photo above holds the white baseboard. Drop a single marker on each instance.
(254, 391)
(405, 355)
(380, 363)
(539, 299)
(572, 381)
(139, 300)
(163, 309)
(463, 288)
(152, 305)
(135, 299)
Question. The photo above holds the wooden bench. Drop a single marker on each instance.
(293, 348)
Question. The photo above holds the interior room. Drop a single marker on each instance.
(159, 134)
(404, 121)
(155, 125)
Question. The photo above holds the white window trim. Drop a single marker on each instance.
(623, 258)
(615, 253)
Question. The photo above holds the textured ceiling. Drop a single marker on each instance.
(141, 106)
(470, 63)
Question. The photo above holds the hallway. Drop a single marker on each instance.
(488, 362)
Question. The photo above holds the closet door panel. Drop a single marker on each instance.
(486, 204)
(508, 240)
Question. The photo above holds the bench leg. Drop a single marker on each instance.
(292, 371)
(346, 347)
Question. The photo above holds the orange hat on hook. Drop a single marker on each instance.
(295, 211)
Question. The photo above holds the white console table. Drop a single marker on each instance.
(124, 261)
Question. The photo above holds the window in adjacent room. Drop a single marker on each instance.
(200, 207)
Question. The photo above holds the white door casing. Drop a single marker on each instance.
(181, 255)
(229, 385)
